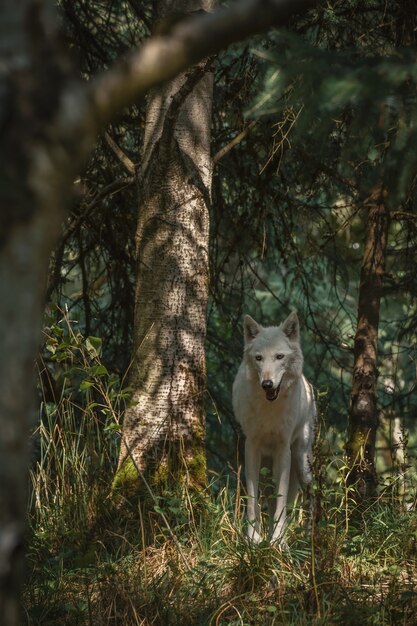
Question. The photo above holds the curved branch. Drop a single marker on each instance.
(163, 57)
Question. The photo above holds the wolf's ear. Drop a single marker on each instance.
(250, 328)
(291, 327)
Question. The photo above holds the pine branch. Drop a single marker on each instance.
(123, 158)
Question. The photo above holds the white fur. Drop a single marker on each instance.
(280, 429)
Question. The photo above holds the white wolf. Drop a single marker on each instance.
(274, 403)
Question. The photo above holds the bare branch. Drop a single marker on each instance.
(404, 215)
(114, 187)
(234, 142)
(123, 158)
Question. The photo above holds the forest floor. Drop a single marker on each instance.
(97, 559)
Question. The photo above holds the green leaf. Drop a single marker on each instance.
(93, 345)
(113, 427)
(98, 370)
(91, 405)
(51, 347)
(86, 384)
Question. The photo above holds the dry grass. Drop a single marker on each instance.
(98, 560)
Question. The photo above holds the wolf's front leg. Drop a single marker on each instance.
(252, 469)
(281, 475)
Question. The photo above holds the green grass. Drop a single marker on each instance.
(98, 559)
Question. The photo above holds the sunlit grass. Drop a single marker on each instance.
(99, 559)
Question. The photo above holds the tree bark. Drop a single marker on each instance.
(164, 429)
(363, 411)
(31, 209)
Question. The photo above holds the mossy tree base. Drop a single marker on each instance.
(177, 467)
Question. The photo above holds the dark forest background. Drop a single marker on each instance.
(303, 125)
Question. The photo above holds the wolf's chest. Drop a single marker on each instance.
(270, 427)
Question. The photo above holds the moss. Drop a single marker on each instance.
(126, 480)
(159, 477)
(356, 444)
(361, 477)
(360, 445)
(128, 483)
(197, 467)
(182, 463)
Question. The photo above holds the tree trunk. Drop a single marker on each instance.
(163, 432)
(363, 413)
(23, 263)
(30, 213)
(398, 442)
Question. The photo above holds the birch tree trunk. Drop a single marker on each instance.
(363, 412)
(163, 431)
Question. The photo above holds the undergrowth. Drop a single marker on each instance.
(95, 559)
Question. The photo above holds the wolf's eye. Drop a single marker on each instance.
(279, 356)
(258, 357)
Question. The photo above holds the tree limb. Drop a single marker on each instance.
(123, 158)
(234, 142)
(163, 57)
(115, 186)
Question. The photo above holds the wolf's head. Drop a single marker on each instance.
(273, 353)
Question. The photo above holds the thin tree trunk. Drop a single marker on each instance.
(363, 412)
(164, 429)
(398, 449)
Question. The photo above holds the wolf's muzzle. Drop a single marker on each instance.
(270, 392)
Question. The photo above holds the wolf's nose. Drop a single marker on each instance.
(267, 384)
